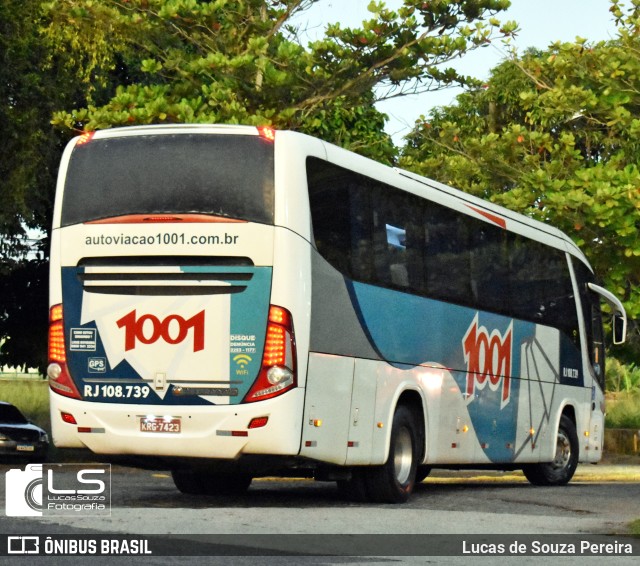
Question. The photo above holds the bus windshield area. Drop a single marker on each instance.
(170, 174)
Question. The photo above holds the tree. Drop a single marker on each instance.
(30, 147)
(71, 65)
(554, 135)
(241, 61)
(36, 78)
(29, 155)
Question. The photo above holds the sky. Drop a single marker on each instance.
(541, 23)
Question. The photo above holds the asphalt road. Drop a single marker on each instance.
(454, 505)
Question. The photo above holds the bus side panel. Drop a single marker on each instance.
(362, 424)
(55, 282)
(595, 440)
(591, 339)
(506, 384)
(451, 436)
(291, 288)
(327, 408)
(540, 360)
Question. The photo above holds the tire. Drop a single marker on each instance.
(561, 469)
(193, 482)
(394, 481)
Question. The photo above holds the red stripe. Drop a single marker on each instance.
(492, 217)
(160, 218)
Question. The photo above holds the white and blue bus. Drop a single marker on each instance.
(234, 302)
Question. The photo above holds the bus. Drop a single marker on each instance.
(233, 302)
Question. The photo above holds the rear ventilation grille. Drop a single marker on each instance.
(165, 275)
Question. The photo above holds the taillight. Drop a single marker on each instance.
(278, 371)
(59, 378)
(57, 352)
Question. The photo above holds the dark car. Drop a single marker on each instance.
(20, 438)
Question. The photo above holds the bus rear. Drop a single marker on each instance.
(163, 338)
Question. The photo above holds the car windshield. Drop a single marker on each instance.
(11, 415)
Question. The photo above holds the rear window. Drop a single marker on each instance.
(223, 175)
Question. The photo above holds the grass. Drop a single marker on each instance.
(31, 397)
(623, 409)
(621, 377)
(634, 527)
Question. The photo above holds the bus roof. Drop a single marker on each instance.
(402, 179)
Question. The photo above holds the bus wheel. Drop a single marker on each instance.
(563, 466)
(202, 483)
(393, 482)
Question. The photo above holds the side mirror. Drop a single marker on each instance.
(619, 328)
(619, 322)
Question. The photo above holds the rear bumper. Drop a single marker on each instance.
(219, 432)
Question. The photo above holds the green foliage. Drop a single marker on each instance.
(31, 397)
(30, 147)
(621, 377)
(101, 63)
(623, 411)
(24, 311)
(70, 65)
(240, 61)
(554, 135)
(36, 78)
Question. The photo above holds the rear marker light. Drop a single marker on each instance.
(258, 422)
(85, 138)
(162, 219)
(88, 429)
(267, 133)
(232, 433)
(68, 418)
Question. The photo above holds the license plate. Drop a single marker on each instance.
(25, 448)
(160, 425)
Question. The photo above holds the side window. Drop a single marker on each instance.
(541, 290)
(378, 234)
(397, 239)
(489, 266)
(592, 320)
(559, 300)
(342, 237)
(447, 261)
